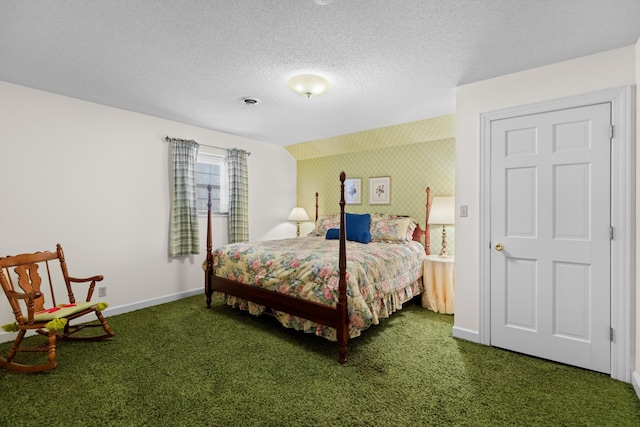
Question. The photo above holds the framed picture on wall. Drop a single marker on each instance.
(380, 190)
(353, 191)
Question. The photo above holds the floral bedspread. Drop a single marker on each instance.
(380, 277)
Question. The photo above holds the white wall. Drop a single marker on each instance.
(96, 180)
(615, 68)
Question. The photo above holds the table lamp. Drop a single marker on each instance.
(297, 215)
(443, 212)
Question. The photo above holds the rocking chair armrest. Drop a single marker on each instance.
(87, 279)
(30, 297)
(92, 279)
(24, 295)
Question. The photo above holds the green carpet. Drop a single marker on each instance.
(179, 364)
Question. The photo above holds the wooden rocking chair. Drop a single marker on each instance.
(28, 305)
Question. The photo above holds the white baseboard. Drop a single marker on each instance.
(465, 334)
(114, 311)
(635, 382)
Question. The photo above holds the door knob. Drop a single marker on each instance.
(498, 247)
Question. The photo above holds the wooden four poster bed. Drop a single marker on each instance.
(327, 289)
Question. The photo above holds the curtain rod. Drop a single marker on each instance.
(167, 139)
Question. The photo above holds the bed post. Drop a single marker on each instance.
(427, 235)
(316, 206)
(209, 266)
(342, 331)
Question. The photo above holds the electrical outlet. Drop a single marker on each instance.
(102, 291)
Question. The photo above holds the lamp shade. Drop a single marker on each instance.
(298, 214)
(443, 211)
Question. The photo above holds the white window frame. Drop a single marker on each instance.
(214, 156)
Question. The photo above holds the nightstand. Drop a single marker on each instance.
(438, 283)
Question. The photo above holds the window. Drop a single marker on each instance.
(211, 169)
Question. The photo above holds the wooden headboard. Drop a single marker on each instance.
(419, 232)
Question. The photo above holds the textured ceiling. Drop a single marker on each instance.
(389, 62)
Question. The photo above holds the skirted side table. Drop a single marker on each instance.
(438, 282)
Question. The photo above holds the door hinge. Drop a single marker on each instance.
(611, 334)
(611, 132)
(610, 232)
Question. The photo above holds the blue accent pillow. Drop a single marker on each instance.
(358, 227)
(333, 234)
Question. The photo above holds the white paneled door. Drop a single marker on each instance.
(551, 235)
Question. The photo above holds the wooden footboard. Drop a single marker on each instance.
(335, 317)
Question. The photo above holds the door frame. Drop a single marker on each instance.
(622, 215)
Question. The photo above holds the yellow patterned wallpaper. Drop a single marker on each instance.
(433, 129)
(412, 166)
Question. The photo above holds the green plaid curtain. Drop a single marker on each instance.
(183, 235)
(238, 196)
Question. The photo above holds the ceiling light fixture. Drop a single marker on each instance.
(309, 85)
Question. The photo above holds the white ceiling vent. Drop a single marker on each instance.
(251, 102)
